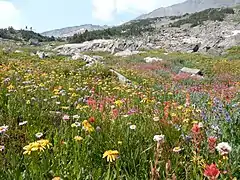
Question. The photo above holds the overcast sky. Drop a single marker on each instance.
(45, 15)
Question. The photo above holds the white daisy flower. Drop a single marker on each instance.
(133, 127)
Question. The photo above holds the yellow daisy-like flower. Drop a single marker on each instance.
(39, 145)
(111, 155)
(87, 126)
(78, 138)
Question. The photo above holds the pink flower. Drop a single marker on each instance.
(66, 117)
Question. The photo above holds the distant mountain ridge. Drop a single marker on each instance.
(70, 31)
(189, 6)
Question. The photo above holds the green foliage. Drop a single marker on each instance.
(133, 28)
(19, 35)
(198, 18)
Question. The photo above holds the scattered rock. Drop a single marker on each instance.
(121, 78)
(49, 54)
(7, 50)
(191, 71)
(41, 55)
(18, 51)
(152, 59)
(127, 53)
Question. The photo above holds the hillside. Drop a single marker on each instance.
(212, 31)
(22, 35)
(189, 6)
(70, 31)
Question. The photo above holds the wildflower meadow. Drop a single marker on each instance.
(60, 119)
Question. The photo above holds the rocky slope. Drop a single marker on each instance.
(70, 31)
(189, 6)
(212, 37)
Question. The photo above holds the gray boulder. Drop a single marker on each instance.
(34, 42)
(152, 59)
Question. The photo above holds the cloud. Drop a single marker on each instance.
(9, 15)
(106, 10)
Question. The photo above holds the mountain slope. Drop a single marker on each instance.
(189, 6)
(70, 31)
(22, 35)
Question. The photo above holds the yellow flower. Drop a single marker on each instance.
(186, 120)
(120, 142)
(87, 126)
(177, 149)
(74, 95)
(173, 114)
(56, 178)
(195, 122)
(199, 161)
(71, 89)
(65, 107)
(39, 145)
(111, 155)
(10, 87)
(119, 103)
(78, 138)
(180, 107)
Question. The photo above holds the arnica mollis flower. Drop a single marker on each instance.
(111, 155)
(87, 126)
(39, 145)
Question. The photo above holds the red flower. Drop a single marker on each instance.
(91, 119)
(212, 143)
(211, 171)
(115, 113)
(196, 129)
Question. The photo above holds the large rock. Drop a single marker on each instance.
(191, 71)
(88, 59)
(34, 42)
(41, 54)
(127, 53)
